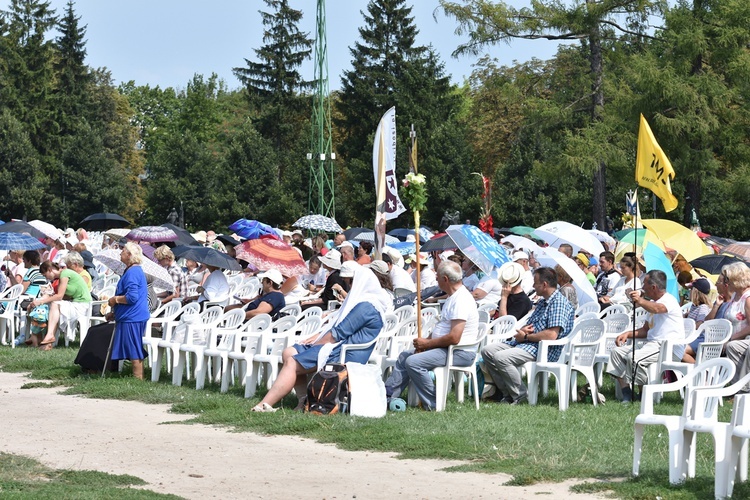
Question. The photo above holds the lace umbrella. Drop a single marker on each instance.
(270, 253)
(111, 259)
(318, 223)
(151, 234)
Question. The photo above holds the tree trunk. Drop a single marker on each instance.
(597, 95)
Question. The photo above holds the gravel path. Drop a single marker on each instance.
(199, 461)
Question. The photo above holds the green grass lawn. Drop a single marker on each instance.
(25, 478)
(532, 443)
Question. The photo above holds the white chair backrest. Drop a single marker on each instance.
(487, 307)
(587, 331)
(430, 313)
(107, 291)
(617, 323)
(231, 320)
(189, 308)
(686, 308)
(585, 316)
(391, 322)
(716, 333)
(284, 324)
(503, 325)
(587, 308)
(211, 315)
(716, 372)
(310, 311)
(291, 310)
(258, 323)
(12, 293)
(111, 280)
(245, 291)
(408, 327)
(640, 316)
(167, 311)
(484, 317)
(613, 309)
(689, 325)
(404, 312)
(308, 326)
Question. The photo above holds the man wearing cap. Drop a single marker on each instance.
(551, 320)
(399, 277)
(663, 323)
(458, 323)
(527, 281)
(270, 301)
(332, 262)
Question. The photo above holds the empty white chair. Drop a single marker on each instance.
(579, 350)
(10, 299)
(216, 351)
(244, 348)
(169, 345)
(162, 315)
(738, 444)
(613, 309)
(588, 307)
(614, 326)
(714, 373)
(195, 342)
(291, 310)
(271, 346)
(405, 312)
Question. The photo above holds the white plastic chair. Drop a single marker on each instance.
(165, 313)
(704, 420)
(168, 347)
(307, 327)
(244, 348)
(503, 328)
(640, 317)
(714, 373)
(215, 353)
(310, 311)
(402, 340)
(614, 326)
(271, 346)
(10, 298)
(405, 312)
(443, 373)
(588, 307)
(484, 317)
(291, 310)
(383, 342)
(194, 341)
(579, 350)
(91, 317)
(666, 353)
(686, 308)
(613, 309)
(736, 455)
(716, 333)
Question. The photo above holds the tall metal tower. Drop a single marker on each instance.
(321, 198)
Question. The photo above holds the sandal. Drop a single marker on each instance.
(263, 408)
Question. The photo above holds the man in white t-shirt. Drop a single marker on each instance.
(399, 276)
(215, 288)
(664, 323)
(489, 290)
(459, 323)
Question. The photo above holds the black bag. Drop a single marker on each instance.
(92, 354)
(328, 391)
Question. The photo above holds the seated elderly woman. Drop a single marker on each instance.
(70, 302)
(74, 261)
(359, 320)
(165, 258)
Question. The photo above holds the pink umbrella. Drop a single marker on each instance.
(151, 234)
(270, 253)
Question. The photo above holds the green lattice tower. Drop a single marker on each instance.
(321, 198)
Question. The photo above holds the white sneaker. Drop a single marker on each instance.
(263, 408)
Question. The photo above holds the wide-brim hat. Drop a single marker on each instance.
(332, 259)
(348, 269)
(511, 273)
(378, 266)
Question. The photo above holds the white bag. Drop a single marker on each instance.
(366, 390)
(183, 326)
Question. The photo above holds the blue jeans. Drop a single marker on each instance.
(415, 367)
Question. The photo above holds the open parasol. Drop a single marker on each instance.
(48, 229)
(478, 246)
(318, 223)
(19, 241)
(270, 253)
(151, 234)
(111, 259)
(103, 221)
(208, 256)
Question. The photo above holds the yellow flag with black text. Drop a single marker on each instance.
(653, 169)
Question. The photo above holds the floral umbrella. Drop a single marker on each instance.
(151, 234)
(270, 253)
(111, 259)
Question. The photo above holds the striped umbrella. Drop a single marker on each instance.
(318, 223)
(270, 253)
(151, 234)
(19, 241)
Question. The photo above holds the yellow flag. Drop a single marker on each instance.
(652, 169)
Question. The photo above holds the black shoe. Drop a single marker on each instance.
(520, 400)
(627, 396)
(505, 401)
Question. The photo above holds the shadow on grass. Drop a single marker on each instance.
(531, 443)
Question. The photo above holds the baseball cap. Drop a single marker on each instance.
(702, 285)
(273, 275)
(519, 256)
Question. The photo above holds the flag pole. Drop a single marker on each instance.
(413, 168)
(635, 246)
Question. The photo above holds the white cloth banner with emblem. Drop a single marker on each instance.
(388, 205)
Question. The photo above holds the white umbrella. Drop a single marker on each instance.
(549, 257)
(559, 232)
(370, 236)
(521, 243)
(48, 229)
(161, 278)
(604, 238)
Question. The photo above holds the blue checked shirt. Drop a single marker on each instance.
(549, 313)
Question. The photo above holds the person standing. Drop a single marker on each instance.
(130, 304)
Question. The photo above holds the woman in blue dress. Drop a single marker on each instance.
(359, 320)
(130, 304)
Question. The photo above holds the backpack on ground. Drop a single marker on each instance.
(328, 390)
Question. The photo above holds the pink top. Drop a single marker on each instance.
(736, 313)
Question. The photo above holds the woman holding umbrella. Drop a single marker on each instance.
(130, 304)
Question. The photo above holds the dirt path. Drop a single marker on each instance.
(199, 461)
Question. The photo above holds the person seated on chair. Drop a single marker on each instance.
(359, 321)
(514, 301)
(459, 322)
(551, 320)
(664, 323)
(270, 301)
(332, 263)
(215, 288)
(165, 258)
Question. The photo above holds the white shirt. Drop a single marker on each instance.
(427, 278)
(527, 283)
(215, 288)
(668, 325)
(619, 296)
(401, 279)
(460, 306)
(318, 279)
(494, 290)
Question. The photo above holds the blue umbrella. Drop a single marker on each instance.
(19, 241)
(404, 247)
(251, 229)
(479, 247)
(656, 260)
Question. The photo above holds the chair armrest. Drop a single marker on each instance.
(542, 353)
(710, 391)
(647, 398)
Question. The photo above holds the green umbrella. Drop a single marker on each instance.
(521, 230)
